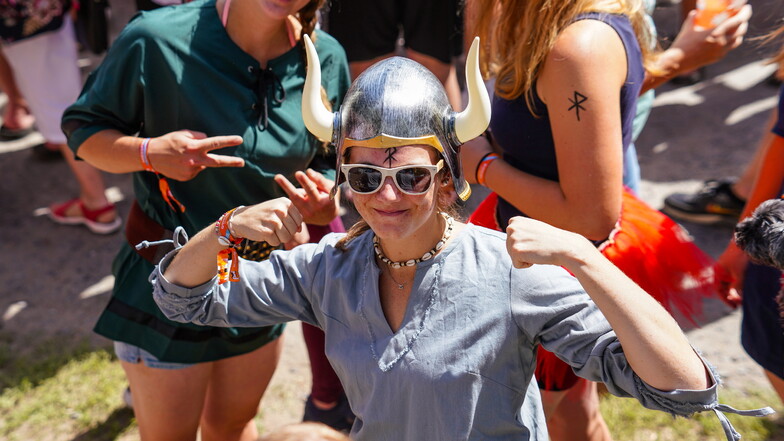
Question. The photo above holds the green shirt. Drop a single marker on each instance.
(176, 68)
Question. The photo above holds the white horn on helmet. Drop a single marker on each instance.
(473, 121)
(318, 119)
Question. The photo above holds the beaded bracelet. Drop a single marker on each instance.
(481, 168)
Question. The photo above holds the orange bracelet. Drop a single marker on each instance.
(481, 169)
(226, 274)
(163, 184)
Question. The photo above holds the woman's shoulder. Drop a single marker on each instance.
(162, 23)
(585, 51)
(330, 245)
(586, 39)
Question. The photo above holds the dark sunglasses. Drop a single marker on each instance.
(409, 179)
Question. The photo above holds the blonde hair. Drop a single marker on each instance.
(778, 58)
(517, 36)
(305, 432)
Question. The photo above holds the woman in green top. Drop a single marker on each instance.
(202, 102)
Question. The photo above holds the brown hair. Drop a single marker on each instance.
(305, 432)
(308, 18)
(517, 35)
(445, 202)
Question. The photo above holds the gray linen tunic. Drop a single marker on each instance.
(461, 365)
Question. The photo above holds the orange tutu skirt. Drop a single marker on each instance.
(652, 250)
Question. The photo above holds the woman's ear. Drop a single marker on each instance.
(446, 193)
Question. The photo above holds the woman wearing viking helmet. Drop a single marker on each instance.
(430, 323)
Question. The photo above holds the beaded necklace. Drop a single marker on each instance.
(427, 256)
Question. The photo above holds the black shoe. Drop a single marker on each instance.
(339, 417)
(715, 202)
(7, 134)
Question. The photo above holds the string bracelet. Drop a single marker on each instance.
(481, 168)
(145, 160)
(225, 238)
(163, 184)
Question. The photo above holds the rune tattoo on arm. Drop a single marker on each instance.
(577, 103)
(390, 155)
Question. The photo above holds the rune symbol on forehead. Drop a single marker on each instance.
(577, 102)
(391, 155)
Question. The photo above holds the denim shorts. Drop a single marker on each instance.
(133, 354)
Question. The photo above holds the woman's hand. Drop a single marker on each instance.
(275, 221)
(695, 47)
(730, 270)
(701, 47)
(183, 154)
(313, 199)
(530, 241)
(302, 237)
(470, 154)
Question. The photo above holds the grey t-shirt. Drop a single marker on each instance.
(461, 365)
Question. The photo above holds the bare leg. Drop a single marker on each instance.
(91, 186)
(163, 396)
(577, 416)
(235, 390)
(777, 383)
(223, 396)
(17, 114)
(550, 400)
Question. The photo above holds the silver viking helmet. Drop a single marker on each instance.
(398, 102)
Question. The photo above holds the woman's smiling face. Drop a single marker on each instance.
(390, 213)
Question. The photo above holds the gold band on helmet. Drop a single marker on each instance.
(384, 141)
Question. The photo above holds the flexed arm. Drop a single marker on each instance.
(652, 341)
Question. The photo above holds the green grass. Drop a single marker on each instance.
(629, 421)
(62, 387)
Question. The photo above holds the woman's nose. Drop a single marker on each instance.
(388, 190)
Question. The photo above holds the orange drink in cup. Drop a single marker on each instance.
(711, 13)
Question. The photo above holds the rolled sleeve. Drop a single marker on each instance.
(178, 303)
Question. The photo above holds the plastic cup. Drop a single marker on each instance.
(710, 13)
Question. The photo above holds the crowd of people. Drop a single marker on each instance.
(419, 325)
